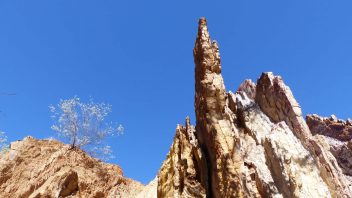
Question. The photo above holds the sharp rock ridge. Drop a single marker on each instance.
(254, 142)
(250, 143)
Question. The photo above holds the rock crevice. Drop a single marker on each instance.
(254, 142)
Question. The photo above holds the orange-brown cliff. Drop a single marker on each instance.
(254, 142)
(47, 168)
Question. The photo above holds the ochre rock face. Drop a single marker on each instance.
(336, 137)
(254, 142)
(180, 175)
(330, 127)
(42, 168)
(250, 143)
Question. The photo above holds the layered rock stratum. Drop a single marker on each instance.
(48, 168)
(253, 142)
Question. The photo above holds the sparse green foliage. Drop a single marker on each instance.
(84, 125)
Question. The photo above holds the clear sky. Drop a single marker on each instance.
(137, 56)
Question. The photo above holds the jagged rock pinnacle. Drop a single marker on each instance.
(206, 51)
(188, 122)
(253, 143)
(209, 82)
(212, 126)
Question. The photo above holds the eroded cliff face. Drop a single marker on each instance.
(254, 142)
(41, 168)
(335, 135)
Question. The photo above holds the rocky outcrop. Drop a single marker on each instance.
(180, 174)
(149, 191)
(331, 127)
(254, 142)
(42, 168)
(335, 135)
(250, 143)
(214, 126)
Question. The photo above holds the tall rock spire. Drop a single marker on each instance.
(206, 51)
(213, 128)
(252, 143)
(209, 82)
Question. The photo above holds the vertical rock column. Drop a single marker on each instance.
(213, 129)
(179, 175)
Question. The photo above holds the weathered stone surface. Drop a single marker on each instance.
(213, 128)
(43, 168)
(180, 175)
(335, 135)
(277, 102)
(282, 164)
(330, 127)
(150, 190)
(252, 143)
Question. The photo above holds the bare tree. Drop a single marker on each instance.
(84, 124)
(3, 141)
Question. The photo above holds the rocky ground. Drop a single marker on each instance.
(43, 168)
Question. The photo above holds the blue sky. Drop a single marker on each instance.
(137, 56)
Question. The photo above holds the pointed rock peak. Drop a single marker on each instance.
(210, 88)
(202, 21)
(206, 52)
(203, 34)
(188, 122)
(249, 88)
